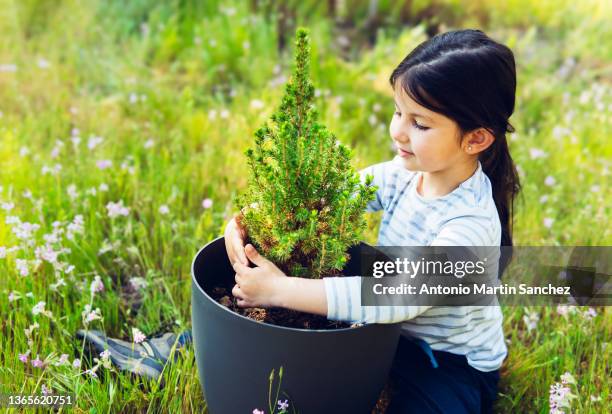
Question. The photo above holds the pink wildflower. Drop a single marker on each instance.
(117, 209)
(207, 203)
(24, 357)
(138, 336)
(37, 363)
(104, 164)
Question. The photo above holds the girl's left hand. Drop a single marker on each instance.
(258, 286)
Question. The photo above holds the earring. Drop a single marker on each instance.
(469, 147)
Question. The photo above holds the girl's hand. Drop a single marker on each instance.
(260, 286)
(234, 242)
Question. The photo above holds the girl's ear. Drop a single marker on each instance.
(477, 141)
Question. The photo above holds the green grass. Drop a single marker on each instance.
(177, 90)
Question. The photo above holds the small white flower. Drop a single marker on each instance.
(550, 181)
(22, 267)
(43, 63)
(103, 187)
(38, 308)
(207, 203)
(93, 142)
(257, 104)
(75, 142)
(589, 314)
(376, 107)
(228, 11)
(584, 97)
(548, 222)
(104, 164)
(8, 67)
(138, 336)
(117, 209)
(60, 282)
(105, 355)
(96, 285)
(224, 114)
(2, 252)
(531, 320)
(595, 188)
(7, 206)
(63, 360)
(47, 253)
(23, 151)
(372, 120)
(559, 132)
(565, 310)
(149, 143)
(138, 283)
(90, 315)
(567, 378)
(212, 114)
(536, 153)
(543, 199)
(163, 209)
(72, 191)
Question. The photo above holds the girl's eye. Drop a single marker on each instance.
(414, 122)
(418, 126)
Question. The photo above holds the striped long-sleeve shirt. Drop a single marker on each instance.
(467, 216)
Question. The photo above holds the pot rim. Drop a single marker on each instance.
(195, 282)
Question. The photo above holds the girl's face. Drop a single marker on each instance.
(426, 140)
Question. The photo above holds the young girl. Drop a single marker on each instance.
(452, 183)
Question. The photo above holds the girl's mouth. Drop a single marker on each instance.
(403, 153)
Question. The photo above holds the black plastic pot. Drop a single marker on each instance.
(325, 371)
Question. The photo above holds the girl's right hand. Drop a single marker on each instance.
(235, 236)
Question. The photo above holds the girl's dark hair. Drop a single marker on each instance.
(471, 79)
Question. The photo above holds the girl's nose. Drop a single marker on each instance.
(398, 135)
(400, 138)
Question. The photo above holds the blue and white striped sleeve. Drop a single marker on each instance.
(344, 293)
(468, 230)
(344, 304)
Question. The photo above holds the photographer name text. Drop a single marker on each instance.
(474, 289)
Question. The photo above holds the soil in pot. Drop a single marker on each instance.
(276, 316)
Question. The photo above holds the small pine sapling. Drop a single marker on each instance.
(304, 205)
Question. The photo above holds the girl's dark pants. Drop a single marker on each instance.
(452, 387)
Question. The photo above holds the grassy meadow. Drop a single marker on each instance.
(122, 132)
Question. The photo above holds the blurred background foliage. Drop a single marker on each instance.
(173, 91)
